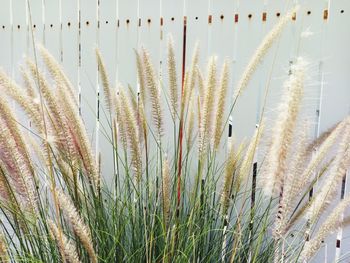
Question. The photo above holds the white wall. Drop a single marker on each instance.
(113, 26)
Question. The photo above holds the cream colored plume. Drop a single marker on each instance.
(166, 190)
(129, 121)
(206, 125)
(58, 74)
(337, 171)
(173, 87)
(282, 133)
(219, 116)
(65, 246)
(153, 88)
(331, 224)
(261, 51)
(105, 82)
(79, 227)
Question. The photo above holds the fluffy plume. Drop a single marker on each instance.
(31, 108)
(172, 78)
(332, 223)
(315, 144)
(65, 246)
(190, 78)
(190, 124)
(275, 164)
(28, 84)
(201, 85)
(205, 129)
(230, 168)
(247, 161)
(57, 74)
(322, 151)
(152, 85)
(293, 182)
(14, 158)
(166, 188)
(121, 132)
(261, 51)
(105, 82)
(132, 134)
(338, 169)
(141, 77)
(79, 227)
(221, 104)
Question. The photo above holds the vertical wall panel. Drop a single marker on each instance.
(108, 47)
(197, 13)
(53, 28)
(19, 34)
(127, 41)
(88, 72)
(244, 114)
(336, 93)
(70, 38)
(5, 35)
(35, 25)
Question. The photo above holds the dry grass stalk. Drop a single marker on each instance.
(219, 116)
(208, 105)
(132, 134)
(293, 182)
(173, 87)
(28, 84)
(141, 77)
(30, 107)
(275, 164)
(121, 125)
(247, 162)
(201, 85)
(190, 124)
(191, 77)
(58, 74)
(14, 159)
(261, 51)
(230, 167)
(105, 82)
(166, 190)
(322, 152)
(153, 88)
(337, 171)
(79, 227)
(332, 223)
(66, 248)
(70, 133)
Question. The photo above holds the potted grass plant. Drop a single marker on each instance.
(196, 201)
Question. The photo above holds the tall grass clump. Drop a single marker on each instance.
(204, 198)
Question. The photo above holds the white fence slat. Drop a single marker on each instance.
(127, 41)
(244, 114)
(35, 25)
(108, 47)
(336, 93)
(19, 34)
(197, 13)
(5, 35)
(53, 28)
(88, 70)
(70, 38)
